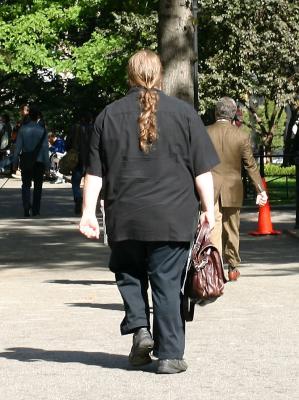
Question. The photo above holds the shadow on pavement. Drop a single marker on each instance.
(51, 243)
(272, 255)
(112, 306)
(80, 282)
(55, 203)
(54, 242)
(274, 272)
(100, 359)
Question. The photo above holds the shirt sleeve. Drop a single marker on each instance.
(203, 154)
(94, 163)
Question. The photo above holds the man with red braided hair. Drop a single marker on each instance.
(151, 154)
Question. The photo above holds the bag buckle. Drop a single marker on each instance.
(203, 263)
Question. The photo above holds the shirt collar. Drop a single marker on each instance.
(135, 89)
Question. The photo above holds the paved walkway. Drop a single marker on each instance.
(60, 315)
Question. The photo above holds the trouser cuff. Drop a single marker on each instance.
(126, 329)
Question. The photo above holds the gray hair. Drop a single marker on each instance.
(225, 108)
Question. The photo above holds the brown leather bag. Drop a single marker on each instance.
(205, 278)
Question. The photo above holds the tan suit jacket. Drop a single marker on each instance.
(233, 146)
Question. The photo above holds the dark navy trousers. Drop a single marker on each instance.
(138, 263)
(35, 175)
(77, 175)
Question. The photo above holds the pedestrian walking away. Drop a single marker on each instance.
(24, 118)
(78, 139)
(32, 140)
(5, 142)
(233, 148)
(151, 154)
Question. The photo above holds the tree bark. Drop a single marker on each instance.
(175, 38)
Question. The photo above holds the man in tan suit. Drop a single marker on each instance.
(233, 148)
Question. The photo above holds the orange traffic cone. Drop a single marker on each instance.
(265, 226)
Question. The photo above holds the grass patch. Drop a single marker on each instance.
(281, 190)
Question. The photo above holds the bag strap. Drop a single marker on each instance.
(203, 233)
(188, 309)
(201, 236)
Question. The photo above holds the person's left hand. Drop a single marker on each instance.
(261, 198)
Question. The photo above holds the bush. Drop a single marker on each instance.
(277, 170)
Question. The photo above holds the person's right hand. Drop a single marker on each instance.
(89, 226)
(208, 217)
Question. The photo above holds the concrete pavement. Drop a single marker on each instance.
(60, 315)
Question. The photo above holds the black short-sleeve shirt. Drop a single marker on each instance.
(150, 197)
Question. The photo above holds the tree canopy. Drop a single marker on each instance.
(70, 54)
(249, 47)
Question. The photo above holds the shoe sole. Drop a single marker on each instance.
(171, 370)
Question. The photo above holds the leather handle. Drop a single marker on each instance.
(203, 234)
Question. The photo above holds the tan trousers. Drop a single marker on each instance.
(225, 235)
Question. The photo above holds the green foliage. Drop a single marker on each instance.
(282, 190)
(270, 120)
(277, 170)
(70, 56)
(265, 111)
(71, 51)
(249, 47)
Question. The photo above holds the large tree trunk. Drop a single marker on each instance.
(176, 48)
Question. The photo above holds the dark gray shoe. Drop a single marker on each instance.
(171, 366)
(142, 345)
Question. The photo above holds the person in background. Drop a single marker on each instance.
(5, 141)
(79, 138)
(152, 155)
(29, 135)
(40, 120)
(24, 118)
(233, 148)
(5, 132)
(56, 143)
(57, 151)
